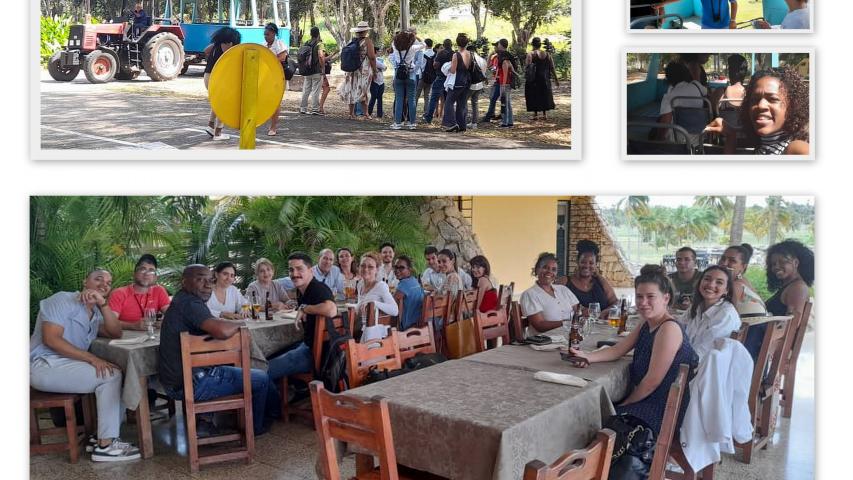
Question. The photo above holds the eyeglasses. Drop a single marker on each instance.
(146, 271)
(400, 267)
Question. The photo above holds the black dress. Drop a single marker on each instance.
(537, 93)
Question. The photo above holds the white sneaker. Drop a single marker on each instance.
(472, 126)
(209, 130)
(396, 126)
(303, 111)
(91, 443)
(411, 126)
(116, 451)
(222, 136)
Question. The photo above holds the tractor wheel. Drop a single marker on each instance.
(100, 66)
(60, 73)
(163, 57)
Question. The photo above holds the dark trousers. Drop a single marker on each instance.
(376, 93)
(454, 108)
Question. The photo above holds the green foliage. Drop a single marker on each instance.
(54, 35)
(757, 276)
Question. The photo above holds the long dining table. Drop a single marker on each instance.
(138, 357)
(485, 416)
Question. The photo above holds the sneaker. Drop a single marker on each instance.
(396, 126)
(472, 126)
(209, 130)
(412, 126)
(303, 111)
(91, 443)
(314, 112)
(116, 451)
(222, 136)
(507, 126)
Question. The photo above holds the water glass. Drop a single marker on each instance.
(149, 320)
(594, 311)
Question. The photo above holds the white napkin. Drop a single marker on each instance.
(129, 341)
(291, 315)
(561, 378)
(557, 342)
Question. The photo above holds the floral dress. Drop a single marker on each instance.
(356, 85)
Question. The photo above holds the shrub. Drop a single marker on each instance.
(54, 35)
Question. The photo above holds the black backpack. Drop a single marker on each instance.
(350, 56)
(305, 58)
(476, 73)
(403, 69)
(419, 361)
(428, 75)
(333, 370)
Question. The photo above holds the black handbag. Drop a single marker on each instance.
(634, 448)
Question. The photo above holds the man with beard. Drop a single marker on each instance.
(130, 302)
(386, 270)
(189, 313)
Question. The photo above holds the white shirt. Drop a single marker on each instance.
(553, 309)
(380, 66)
(334, 279)
(380, 295)
(233, 302)
(277, 46)
(432, 278)
(684, 89)
(719, 321)
(387, 275)
(799, 19)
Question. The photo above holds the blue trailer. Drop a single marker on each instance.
(241, 15)
(678, 14)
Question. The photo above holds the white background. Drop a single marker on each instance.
(600, 172)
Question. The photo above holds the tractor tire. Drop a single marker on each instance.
(163, 57)
(60, 73)
(100, 66)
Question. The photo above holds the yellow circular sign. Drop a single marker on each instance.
(225, 89)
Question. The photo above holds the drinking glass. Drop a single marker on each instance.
(246, 309)
(594, 311)
(567, 331)
(149, 320)
(614, 316)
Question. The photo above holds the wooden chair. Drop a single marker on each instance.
(489, 327)
(466, 303)
(381, 354)
(505, 293)
(676, 453)
(366, 424)
(789, 361)
(517, 322)
(321, 335)
(374, 316)
(437, 310)
(74, 434)
(591, 463)
(765, 386)
(204, 351)
(669, 424)
(414, 341)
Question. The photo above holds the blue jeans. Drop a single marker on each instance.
(496, 94)
(436, 91)
(298, 360)
(376, 93)
(407, 88)
(506, 119)
(220, 381)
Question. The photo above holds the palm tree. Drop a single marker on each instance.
(738, 213)
(635, 208)
(778, 216)
(721, 206)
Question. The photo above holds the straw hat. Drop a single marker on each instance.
(362, 26)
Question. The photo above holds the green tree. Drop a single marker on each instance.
(737, 224)
(525, 16)
(721, 206)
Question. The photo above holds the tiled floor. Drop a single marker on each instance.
(289, 451)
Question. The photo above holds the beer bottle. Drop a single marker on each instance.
(268, 308)
(254, 304)
(575, 337)
(623, 316)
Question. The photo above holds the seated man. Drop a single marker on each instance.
(798, 17)
(130, 302)
(189, 313)
(60, 360)
(681, 84)
(328, 273)
(432, 279)
(410, 291)
(141, 20)
(313, 298)
(717, 14)
(685, 277)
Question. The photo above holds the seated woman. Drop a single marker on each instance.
(60, 361)
(712, 315)
(587, 285)
(660, 347)
(731, 97)
(798, 17)
(257, 291)
(546, 304)
(681, 84)
(371, 289)
(736, 259)
(774, 115)
(410, 291)
(349, 270)
(790, 273)
(225, 301)
(487, 294)
(453, 282)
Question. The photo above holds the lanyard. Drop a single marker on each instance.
(140, 304)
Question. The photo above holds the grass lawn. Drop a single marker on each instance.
(749, 9)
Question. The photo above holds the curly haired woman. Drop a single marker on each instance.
(774, 115)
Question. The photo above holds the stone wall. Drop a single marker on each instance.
(447, 228)
(586, 223)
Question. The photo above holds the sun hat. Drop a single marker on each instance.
(362, 26)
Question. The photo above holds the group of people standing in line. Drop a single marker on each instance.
(449, 80)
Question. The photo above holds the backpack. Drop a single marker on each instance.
(530, 73)
(477, 75)
(419, 361)
(305, 58)
(428, 76)
(403, 69)
(351, 56)
(333, 370)
(289, 66)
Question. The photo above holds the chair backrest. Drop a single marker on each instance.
(381, 354)
(490, 326)
(466, 303)
(436, 305)
(591, 463)
(682, 144)
(669, 423)
(796, 340)
(374, 316)
(351, 420)
(518, 322)
(692, 118)
(321, 335)
(769, 361)
(414, 341)
(505, 297)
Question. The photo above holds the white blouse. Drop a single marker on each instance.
(233, 302)
(380, 295)
(553, 309)
(719, 321)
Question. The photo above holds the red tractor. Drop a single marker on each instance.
(117, 50)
